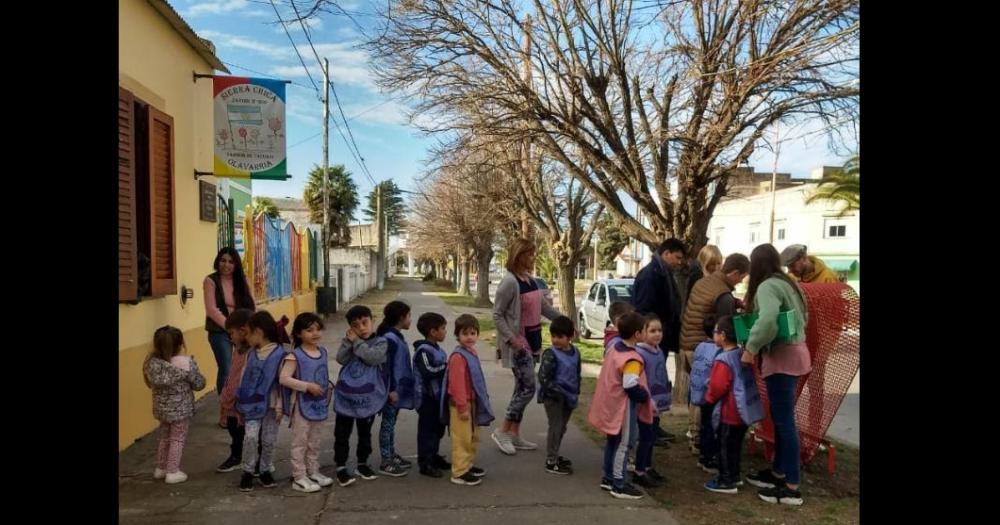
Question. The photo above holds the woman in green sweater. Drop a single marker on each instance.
(772, 291)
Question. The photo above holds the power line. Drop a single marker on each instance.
(303, 62)
(305, 32)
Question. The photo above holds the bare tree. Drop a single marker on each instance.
(463, 217)
(659, 103)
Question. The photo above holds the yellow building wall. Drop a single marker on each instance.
(156, 64)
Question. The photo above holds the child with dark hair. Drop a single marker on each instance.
(559, 390)
(306, 381)
(733, 390)
(360, 392)
(430, 363)
(237, 325)
(465, 402)
(258, 399)
(398, 374)
(621, 400)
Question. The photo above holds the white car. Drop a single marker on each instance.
(594, 309)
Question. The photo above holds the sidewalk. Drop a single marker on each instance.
(516, 489)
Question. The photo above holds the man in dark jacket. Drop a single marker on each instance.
(655, 291)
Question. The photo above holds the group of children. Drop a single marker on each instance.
(269, 380)
(633, 389)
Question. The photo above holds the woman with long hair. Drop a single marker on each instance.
(770, 293)
(226, 289)
(518, 310)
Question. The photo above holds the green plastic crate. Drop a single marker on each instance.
(787, 327)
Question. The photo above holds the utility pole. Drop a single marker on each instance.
(596, 240)
(379, 222)
(774, 181)
(326, 173)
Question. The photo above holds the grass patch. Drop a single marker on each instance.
(829, 498)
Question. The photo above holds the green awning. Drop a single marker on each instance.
(841, 265)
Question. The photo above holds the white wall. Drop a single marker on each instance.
(735, 220)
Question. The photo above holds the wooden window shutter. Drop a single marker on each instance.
(128, 272)
(161, 203)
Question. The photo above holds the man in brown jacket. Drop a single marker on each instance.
(806, 268)
(711, 295)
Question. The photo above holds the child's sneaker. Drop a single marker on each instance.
(246, 482)
(267, 480)
(176, 477)
(405, 463)
(159, 473)
(717, 486)
(366, 472)
(477, 472)
(393, 469)
(321, 480)
(564, 462)
(780, 494)
(557, 468)
(656, 476)
(229, 465)
(344, 478)
(431, 471)
(645, 481)
(765, 479)
(606, 484)
(466, 479)
(305, 485)
(626, 492)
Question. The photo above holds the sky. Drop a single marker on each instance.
(251, 43)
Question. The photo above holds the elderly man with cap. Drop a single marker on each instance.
(806, 268)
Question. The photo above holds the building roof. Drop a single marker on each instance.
(203, 47)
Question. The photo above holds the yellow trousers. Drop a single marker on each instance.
(464, 440)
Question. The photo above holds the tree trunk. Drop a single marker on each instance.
(567, 292)
(463, 280)
(483, 279)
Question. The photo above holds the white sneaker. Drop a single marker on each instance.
(321, 480)
(176, 477)
(159, 473)
(503, 442)
(305, 485)
(521, 444)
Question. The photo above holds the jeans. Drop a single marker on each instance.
(781, 395)
(387, 434)
(222, 349)
(644, 452)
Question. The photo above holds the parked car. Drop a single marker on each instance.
(594, 309)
